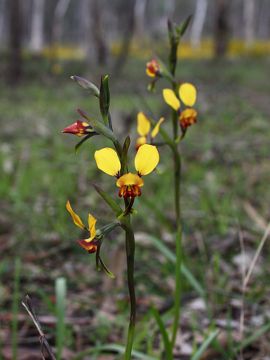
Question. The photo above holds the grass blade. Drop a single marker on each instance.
(164, 334)
(113, 348)
(205, 345)
(61, 291)
(249, 340)
(185, 271)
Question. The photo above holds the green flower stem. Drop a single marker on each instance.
(130, 251)
(178, 264)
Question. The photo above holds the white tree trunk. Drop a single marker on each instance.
(198, 23)
(249, 21)
(139, 13)
(37, 30)
(59, 14)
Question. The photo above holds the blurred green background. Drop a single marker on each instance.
(226, 171)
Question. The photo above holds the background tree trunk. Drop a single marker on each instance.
(198, 22)
(37, 30)
(15, 42)
(139, 14)
(97, 32)
(249, 21)
(127, 20)
(59, 15)
(221, 27)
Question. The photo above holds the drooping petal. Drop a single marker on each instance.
(92, 226)
(87, 245)
(143, 124)
(107, 161)
(76, 219)
(129, 179)
(155, 131)
(146, 159)
(188, 94)
(171, 99)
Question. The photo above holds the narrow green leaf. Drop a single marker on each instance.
(109, 200)
(104, 98)
(61, 293)
(185, 271)
(255, 335)
(167, 344)
(86, 84)
(204, 345)
(79, 144)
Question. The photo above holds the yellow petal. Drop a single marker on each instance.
(76, 219)
(129, 179)
(155, 131)
(146, 159)
(92, 227)
(107, 160)
(171, 99)
(143, 124)
(140, 141)
(188, 94)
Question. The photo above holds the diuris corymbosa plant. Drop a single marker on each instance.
(113, 161)
(181, 98)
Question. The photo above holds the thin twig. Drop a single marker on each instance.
(246, 277)
(46, 351)
(257, 254)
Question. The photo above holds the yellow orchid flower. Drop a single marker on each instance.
(89, 244)
(144, 127)
(145, 162)
(188, 95)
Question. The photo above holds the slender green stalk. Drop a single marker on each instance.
(178, 264)
(130, 251)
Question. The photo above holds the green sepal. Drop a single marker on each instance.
(104, 98)
(181, 29)
(109, 200)
(105, 268)
(86, 84)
